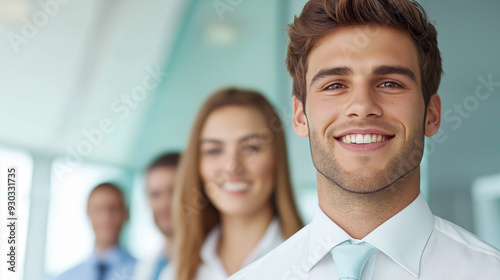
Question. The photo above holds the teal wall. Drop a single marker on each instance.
(196, 69)
(469, 40)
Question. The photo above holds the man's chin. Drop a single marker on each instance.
(359, 183)
(167, 231)
(366, 189)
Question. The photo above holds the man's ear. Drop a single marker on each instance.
(433, 116)
(299, 118)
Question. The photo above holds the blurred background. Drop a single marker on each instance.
(92, 90)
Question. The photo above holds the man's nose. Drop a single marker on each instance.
(363, 103)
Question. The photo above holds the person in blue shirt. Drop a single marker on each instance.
(107, 212)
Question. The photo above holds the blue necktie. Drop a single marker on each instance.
(351, 258)
(162, 262)
(102, 269)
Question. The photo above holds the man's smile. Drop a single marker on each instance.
(361, 140)
(364, 140)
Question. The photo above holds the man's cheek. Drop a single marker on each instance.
(320, 112)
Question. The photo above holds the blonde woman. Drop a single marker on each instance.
(235, 201)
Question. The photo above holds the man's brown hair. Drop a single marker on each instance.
(320, 17)
(165, 160)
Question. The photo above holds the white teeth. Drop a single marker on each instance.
(367, 139)
(235, 186)
(359, 139)
(363, 138)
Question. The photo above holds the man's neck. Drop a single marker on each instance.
(360, 214)
(103, 247)
(168, 244)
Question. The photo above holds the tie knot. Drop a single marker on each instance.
(351, 258)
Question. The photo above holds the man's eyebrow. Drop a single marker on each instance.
(325, 72)
(388, 69)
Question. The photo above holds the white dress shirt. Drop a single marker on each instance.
(212, 268)
(146, 269)
(413, 244)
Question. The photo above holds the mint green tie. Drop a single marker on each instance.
(351, 258)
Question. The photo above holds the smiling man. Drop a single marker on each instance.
(365, 80)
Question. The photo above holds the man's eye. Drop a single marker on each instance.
(389, 84)
(334, 86)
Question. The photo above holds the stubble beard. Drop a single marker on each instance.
(391, 179)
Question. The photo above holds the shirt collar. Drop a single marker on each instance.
(271, 239)
(325, 234)
(209, 249)
(112, 257)
(403, 237)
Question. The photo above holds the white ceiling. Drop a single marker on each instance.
(63, 66)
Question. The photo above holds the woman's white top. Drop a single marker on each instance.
(212, 267)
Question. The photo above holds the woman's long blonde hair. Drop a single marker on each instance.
(194, 215)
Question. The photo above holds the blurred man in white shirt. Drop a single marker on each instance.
(160, 180)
